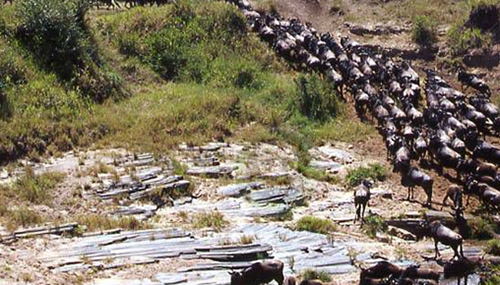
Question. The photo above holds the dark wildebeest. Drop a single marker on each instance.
(441, 233)
(259, 273)
(383, 269)
(461, 267)
(455, 194)
(415, 272)
(414, 177)
(402, 160)
(472, 80)
(361, 199)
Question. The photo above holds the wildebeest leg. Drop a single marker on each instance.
(455, 250)
(461, 250)
(358, 212)
(363, 215)
(280, 278)
(444, 201)
(436, 248)
(409, 191)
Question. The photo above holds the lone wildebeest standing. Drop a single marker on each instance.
(442, 234)
(361, 198)
(455, 194)
(414, 177)
(259, 273)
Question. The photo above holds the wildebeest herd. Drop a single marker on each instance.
(447, 132)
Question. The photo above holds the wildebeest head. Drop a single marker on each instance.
(367, 183)
(236, 278)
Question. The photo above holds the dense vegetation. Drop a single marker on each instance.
(192, 70)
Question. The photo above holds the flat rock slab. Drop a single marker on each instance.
(326, 165)
(119, 281)
(236, 190)
(336, 154)
(211, 171)
(277, 194)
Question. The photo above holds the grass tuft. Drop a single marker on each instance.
(214, 220)
(312, 274)
(315, 225)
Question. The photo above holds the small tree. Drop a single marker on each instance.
(424, 31)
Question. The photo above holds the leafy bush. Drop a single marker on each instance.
(374, 224)
(315, 225)
(424, 31)
(316, 98)
(55, 32)
(482, 228)
(375, 171)
(493, 247)
(311, 274)
(461, 39)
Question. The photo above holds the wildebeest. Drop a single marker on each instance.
(415, 272)
(361, 199)
(455, 194)
(461, 267)
(259, 273)
(472, 80)
(414, 177)
(401, 160)
(383, 269)
(442, 234)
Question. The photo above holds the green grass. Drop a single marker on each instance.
(493, 247)
(482, 228)
(374, 224)
(315, 225)
(214, 220)
(312, 274)
(374, 171)
(196, 74)
(101, 222)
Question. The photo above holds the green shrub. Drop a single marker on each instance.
(493, 247)
(374, 224)
(311, 274)
(482, 228)
(424, 31)
(53, 31)
(56, 33)
(375, 171)
(315, 225)
(461, 39)
(214, 220)
(316, 98)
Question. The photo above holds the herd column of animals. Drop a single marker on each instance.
(450, 132)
